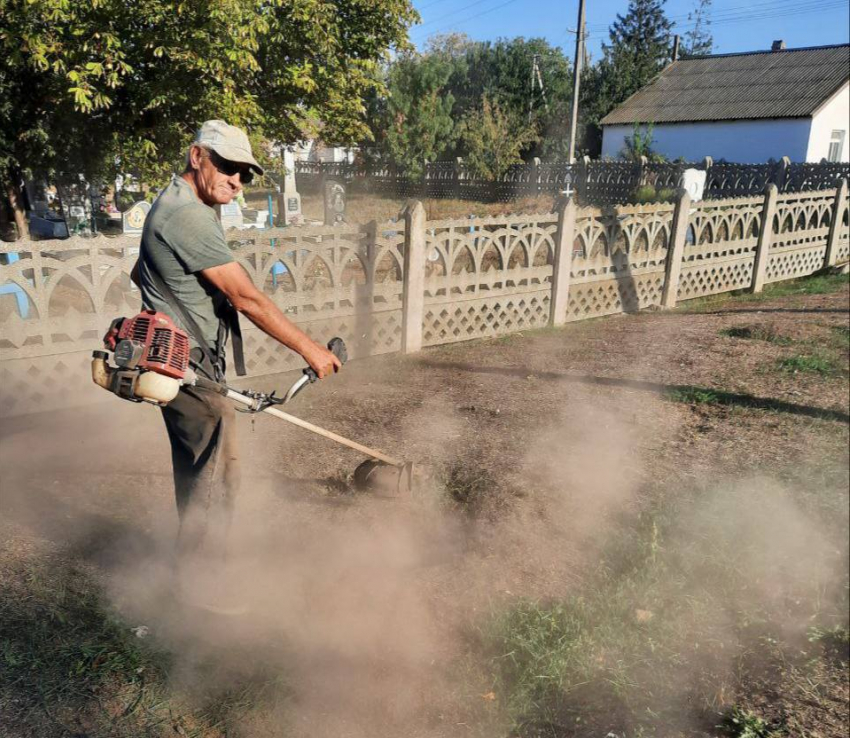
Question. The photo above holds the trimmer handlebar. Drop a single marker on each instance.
(337, 347)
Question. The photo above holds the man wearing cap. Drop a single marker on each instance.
(187, 271)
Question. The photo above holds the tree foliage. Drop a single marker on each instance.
(94, 85)
(417, 117)
(493, 140)
(442, 91)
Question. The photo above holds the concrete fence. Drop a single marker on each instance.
(400, 286)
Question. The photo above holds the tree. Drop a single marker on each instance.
(699, 40)
(493, 139)
(99, 85)
(638, 49)
(417, 121)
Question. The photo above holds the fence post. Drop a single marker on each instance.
(563, 261)
(835, 223)
(765, 237)
(581, 186)
(676, 250)
(413, 297)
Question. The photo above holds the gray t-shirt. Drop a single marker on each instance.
(181, 237)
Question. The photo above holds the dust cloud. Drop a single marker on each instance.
(364, 614)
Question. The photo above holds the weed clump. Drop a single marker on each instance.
(693, 395)
(808, 364)
(745, 724)
(467, 485)
(757, 333)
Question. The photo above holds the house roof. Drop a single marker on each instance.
(788, 83)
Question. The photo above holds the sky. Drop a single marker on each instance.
(737, 25)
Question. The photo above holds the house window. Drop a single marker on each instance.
(836, 146)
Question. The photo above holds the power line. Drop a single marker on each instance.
(777, 8)
(472, 17)
(454, 12)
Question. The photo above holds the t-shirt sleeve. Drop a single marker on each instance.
(196, 239)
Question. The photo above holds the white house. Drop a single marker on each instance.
(316, 151)
(746, 108)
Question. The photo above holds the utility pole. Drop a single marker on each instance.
(536, 77)
(576, 79)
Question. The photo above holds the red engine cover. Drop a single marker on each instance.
(165, 348)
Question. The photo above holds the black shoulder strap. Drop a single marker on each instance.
(232, 318)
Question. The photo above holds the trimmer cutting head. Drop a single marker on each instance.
(386, 480)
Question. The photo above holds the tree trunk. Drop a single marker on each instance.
(16, 202)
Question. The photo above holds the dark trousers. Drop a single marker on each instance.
(202, 430)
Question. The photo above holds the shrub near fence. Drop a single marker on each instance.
(595, 182)
(398, 286)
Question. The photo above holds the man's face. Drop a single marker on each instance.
(218, 180)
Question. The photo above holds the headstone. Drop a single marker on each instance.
(230, 215)
(289, 202)
(693, 182)
(334, 203)
(133, 220)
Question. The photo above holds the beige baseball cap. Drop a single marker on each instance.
(229, 142)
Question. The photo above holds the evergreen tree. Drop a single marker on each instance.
(417, 123)
(639, 48)
(698, 40)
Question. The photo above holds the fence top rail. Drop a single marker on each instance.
(728, 202)
(493, 220)
(810, 195)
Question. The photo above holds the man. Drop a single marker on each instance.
(187, 271)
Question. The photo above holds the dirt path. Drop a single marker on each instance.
(541, 442)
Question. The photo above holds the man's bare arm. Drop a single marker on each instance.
(235, 283)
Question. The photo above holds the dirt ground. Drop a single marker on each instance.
(540, 442)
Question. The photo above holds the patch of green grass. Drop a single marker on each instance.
(693, 395)
(819, 284)
(808, 364)
(757, 333)
(745, 724)
(68, 663)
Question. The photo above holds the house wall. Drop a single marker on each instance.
(742, 141)
(834, 115)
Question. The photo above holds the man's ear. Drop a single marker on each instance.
(195, 157)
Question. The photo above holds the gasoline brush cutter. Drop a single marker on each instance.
(151, 356)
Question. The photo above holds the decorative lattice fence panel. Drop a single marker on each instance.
(487, 277)
(618, 260)
(800, 231)
(344, 281)
(720, 247)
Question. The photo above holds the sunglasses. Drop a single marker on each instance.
(229, 168)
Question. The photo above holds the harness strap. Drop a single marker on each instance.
(212, 364)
